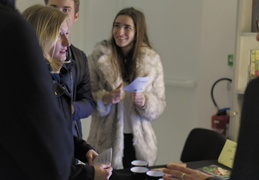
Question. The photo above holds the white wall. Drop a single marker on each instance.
(193, 38)
(217, 41)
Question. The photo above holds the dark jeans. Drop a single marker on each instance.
(129, 151)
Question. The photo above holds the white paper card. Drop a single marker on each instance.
(104, 158)
(138, 85)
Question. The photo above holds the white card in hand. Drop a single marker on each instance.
(138, 85)
(104, 158)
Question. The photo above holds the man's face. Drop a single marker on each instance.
(68, 7)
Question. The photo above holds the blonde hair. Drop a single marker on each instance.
(46, 21)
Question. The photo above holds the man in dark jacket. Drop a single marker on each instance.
(83, 104)
(34, 139)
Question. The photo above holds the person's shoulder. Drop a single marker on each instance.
(7, 11)
(147, 51)
(10, 17)
(104, 44)
(102, 52)
(253, 83)
(76, 50)
(252, 88)
(12, 22)
(102, 48)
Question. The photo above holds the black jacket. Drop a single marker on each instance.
(62, 90)
(246, 163)
(34, 139)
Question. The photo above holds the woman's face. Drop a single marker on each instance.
(124, 32)
(58, 52)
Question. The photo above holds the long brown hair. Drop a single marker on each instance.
(128, 69)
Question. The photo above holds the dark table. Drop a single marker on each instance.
(124, 174)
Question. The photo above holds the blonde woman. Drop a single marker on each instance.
(49, 33)
(51, 26)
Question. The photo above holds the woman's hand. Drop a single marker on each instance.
(139, 99)
(115, 96)
(91, 155)
(179, 171)
(102, 172)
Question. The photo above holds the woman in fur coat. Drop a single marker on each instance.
(122, 120)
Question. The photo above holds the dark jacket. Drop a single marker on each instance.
(62, 90)
(246, 163)
(82, 98)
(34, 139)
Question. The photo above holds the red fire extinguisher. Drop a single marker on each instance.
(220, 121)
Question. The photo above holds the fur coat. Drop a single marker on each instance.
(107, 120)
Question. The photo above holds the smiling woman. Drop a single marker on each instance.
(122, 119)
